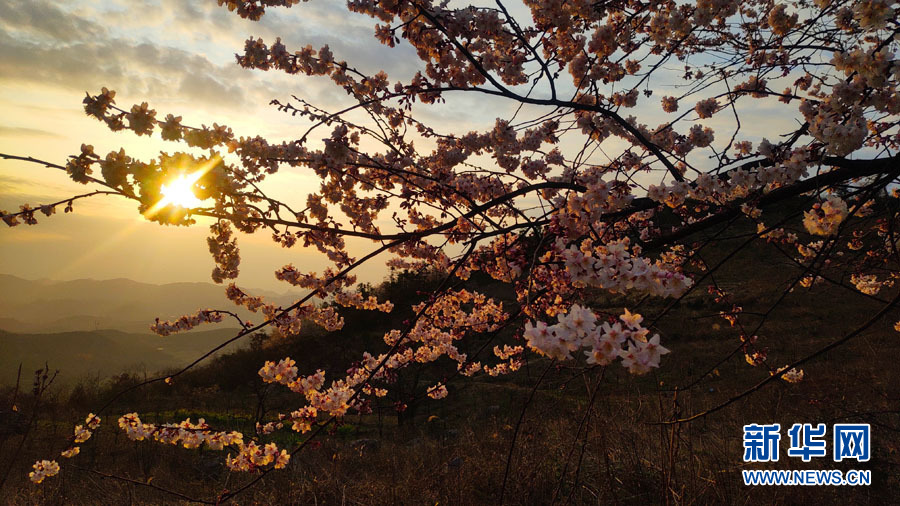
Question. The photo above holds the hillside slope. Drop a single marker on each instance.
(41, 306)
(104, 352)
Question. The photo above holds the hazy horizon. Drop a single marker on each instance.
(285, 290)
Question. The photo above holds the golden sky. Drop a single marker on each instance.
(178, 55)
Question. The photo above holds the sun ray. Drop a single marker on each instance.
(77, 262)
(179, 191)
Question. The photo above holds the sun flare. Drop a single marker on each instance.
(179, 192)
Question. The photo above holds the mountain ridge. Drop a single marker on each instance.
(106, 352)
(44, 305)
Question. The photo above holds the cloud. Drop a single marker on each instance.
(18, 190)
(116, 63)
(22, 235)
(42, 19)
(25, 131)
(182, 52)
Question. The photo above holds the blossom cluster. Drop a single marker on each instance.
(444, 321)
(623, 339)
(869, 284)
(142, 121)
(438, 391)
(185, 433)
(187, 322)
(826, 217)
(251, 456)
(43, 469)
(303, 419)
(612, 267)
(790, 168)
(334, 400)
(82, 432)
(792, 375)
(268, 428)
(224, 250)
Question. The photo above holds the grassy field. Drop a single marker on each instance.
(568, 449)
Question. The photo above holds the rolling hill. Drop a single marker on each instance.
(104, 352)
(40, 306)
(102, 327)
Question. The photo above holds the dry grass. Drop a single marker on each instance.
(568, 450)
(459, 456)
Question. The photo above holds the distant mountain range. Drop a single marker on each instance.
(102, 327)
(103, 353)
(38, 306)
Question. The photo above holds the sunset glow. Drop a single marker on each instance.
(180, 192)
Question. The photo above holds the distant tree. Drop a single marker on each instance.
(643, 131)
(258, 340)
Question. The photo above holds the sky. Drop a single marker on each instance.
(178, 56)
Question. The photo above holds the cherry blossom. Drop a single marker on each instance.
(592, 186)
(43, 469)
(625, 339)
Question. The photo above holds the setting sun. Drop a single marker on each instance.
(179, 192)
